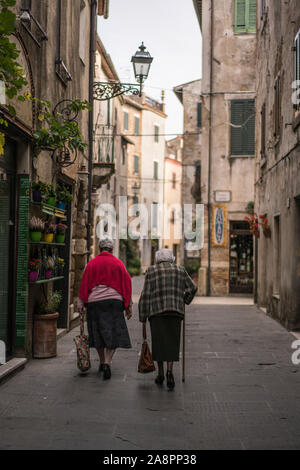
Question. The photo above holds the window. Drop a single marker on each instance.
(136, 164)
(277, 106)
(155, 170)
(199, 115)
(174, 180)
(136, 125)
(135, 200)
(245, 16)
(82, 31)
(156, 133)
(126, 121)
(124, 152)
(26, 4)
(243, 127)
(173, 217)
(263, 132)
(297, 67)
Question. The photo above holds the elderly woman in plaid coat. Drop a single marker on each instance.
(166, 289)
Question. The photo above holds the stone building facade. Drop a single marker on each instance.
(55, 55)
(277, 175)
(226, 109)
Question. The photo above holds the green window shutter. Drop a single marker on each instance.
(251, 13)
(125, 121)
(242, 137)
(137, 126)
(240, 16)
(156, 133)
(199, 115)
(155, 171)
(136, 164)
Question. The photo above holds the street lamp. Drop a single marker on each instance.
(141, 65)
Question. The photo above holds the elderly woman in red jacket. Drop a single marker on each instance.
(106, 291)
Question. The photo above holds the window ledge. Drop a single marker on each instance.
(276, 296)
(241, 156)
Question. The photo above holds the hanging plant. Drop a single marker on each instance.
(253, 224)
(264, 222)
(11, 73)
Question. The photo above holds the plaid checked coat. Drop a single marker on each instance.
(167, 288)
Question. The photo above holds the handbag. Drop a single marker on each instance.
(83, 349)
(146, 363)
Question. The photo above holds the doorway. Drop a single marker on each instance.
(241, 259)
(7, 245)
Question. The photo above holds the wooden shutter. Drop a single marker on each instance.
(136, 164)
(277, 100)
(156, 133)
(199, 115)
(240, 16)
(297, 64)
(243, 127)
(125, 121)
(263, 131)
(137, 126)
(155, 170)
(251, 26)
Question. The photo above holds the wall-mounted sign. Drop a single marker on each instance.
(219, 225)
(222, 196)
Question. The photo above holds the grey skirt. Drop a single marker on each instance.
(106, 325)
(165, 333)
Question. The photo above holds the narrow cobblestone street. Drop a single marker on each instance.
(241, 392)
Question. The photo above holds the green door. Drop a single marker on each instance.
(7, 245)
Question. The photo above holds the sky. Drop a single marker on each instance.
(171, 33)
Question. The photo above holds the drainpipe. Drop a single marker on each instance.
(210, 147)
(93, 33)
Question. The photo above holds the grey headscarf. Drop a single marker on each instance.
(106, 244)
(164, 255)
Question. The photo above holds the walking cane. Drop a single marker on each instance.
(183, 346)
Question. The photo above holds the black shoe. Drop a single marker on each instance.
(106, 372)
(101, 368)
(170, 380)
(159, 379)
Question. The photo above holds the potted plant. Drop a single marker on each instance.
(264, 222)
(36, 228)
(49, 232)
(50, 265)
(37, 188)
(45, 327)
(50, 194)
(61, 233)
(34, 268)
(61, 265)
(63, 196)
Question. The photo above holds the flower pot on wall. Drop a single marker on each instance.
(51, 201)
(44, 336)
(37, 196)
(33, 276)
(48, 237)
(61, 205)
(267, 232)
(36, 236)
(48, 274)
(60, 238)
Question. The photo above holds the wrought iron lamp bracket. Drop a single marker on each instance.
(107, 90)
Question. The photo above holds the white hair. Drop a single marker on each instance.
(164, 255)
(106, 243)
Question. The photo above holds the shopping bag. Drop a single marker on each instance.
(146, 363)
(83, 349)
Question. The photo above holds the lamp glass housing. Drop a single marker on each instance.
(142, 61)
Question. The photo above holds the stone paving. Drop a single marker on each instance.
(241, 392)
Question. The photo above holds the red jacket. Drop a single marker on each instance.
(107, 270)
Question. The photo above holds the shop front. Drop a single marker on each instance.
(241, 258)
